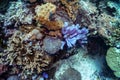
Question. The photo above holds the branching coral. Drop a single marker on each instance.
(29, 55)
(72, 34)
(18, 13)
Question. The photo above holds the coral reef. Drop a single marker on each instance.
(73, 33)
(52, 45)
(18, 13)
(45, 10)
(71, 7)
(52, 25)
(37, 34)
(29, 55)
(56, 33)
(43, 14)
(33, 35)
(83, 64)
(113, 39)
(70, 74)
(99, 22)
(114, 5)
(113, 60)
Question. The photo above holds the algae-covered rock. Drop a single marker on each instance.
(113, 60)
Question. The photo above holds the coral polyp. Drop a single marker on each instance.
(58, 39)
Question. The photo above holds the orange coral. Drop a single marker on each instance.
(55, 33)
(43, 13)
(45, 10)
(71, 7)
(51, 25)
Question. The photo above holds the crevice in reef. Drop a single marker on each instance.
(96, 46)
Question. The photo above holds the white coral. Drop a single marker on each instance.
(19, 13)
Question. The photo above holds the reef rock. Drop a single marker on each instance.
(70, 74)
(82, 64)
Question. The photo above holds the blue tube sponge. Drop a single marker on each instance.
(73, 33)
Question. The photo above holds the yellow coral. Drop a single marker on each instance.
(51, 25)
(29, 55)
(43, 13)
(71, 7)
(45, 10)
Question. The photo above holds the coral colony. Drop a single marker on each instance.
(73, 33)
(39, 39)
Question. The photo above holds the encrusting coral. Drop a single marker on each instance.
(51, 25)
(43, 14)
(71, 7)
(45, 10)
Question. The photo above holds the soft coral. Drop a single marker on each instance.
(73, 33)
